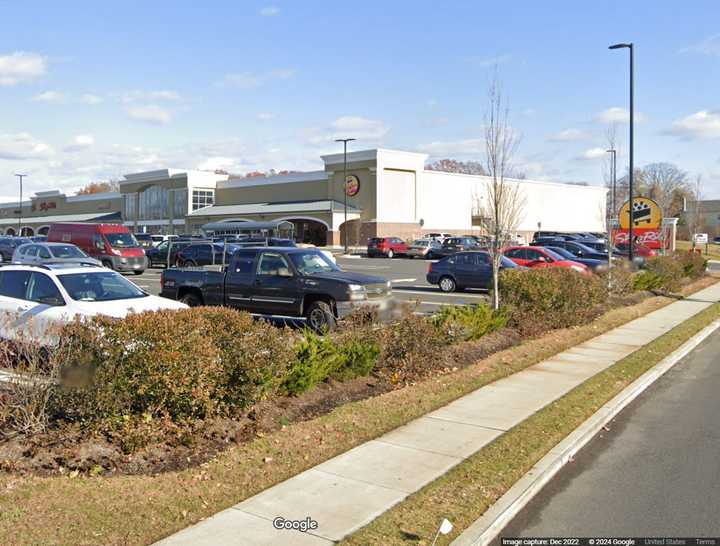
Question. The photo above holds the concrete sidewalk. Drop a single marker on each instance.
(350, 490)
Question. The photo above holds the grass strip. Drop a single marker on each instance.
(142, 509)
(468, 490)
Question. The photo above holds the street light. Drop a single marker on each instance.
(632, 142)
(20, 176)
(345, 143)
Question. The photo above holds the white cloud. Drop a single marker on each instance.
(492, 61)
(87, 98)
(79, 142)
(152, 114)
(48, 96)
(150, 96)
(709, 46)
(592, 154)
(23, 146)
(247, 80)
(700, 125)
(270, 11)
(21, 67)
(569, 135)
(470, 146)
(618, 115)
(217, 163)
(265, 116)
(358, 127)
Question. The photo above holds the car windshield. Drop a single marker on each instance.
(564, 253)
(99, 286)
(309, 263)
(420, 243)
(121, 240)
(507, 262)
(554, 255)
(67, 251)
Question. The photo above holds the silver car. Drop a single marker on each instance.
(423, 248)
(41, 253)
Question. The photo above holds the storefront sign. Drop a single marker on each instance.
(352, 185)
(645, 214)
(43, 206)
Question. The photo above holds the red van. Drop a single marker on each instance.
(112, 244)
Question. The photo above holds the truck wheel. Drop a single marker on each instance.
(320, 317)
(191, 300)
(138, 272)
(390, 253)
(447, 284)
(107, 264)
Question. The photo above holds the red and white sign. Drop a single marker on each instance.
(650, 237)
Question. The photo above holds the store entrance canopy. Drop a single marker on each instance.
(278, 228)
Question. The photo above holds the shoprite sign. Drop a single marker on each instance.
(646, 218)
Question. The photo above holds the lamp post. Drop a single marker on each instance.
(20, 177)
(632, 142)
(344, 185)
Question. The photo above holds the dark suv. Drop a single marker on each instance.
(457, 244)
(8, 246)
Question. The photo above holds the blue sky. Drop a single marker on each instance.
(91, 90)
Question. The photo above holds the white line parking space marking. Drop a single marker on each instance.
(354, 266)
(403, 280)
(441, 294)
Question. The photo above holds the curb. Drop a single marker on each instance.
(493, 521)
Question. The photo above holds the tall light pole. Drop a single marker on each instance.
(20, 177)
(631, 174)
(344, 185)
(613, 175)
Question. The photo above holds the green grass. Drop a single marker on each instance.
(468, 490)
(710, 251)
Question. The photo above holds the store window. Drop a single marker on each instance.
(202, 197)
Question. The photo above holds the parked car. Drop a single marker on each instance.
(9, 244)
(538, 256)
(43, 253)
(39, 238)
(158, 255)
(440, 237)
(593, 263)
(456, 244)
(145, 240)
(200, 254)
(578, 249)
(716, 240)
(465, 270)
(598, 245)
(638, 250)
(423, 248)
(264, 241)
(295, 282)
(112, 244)
(40, 296)
(386, 246)
(157, 238)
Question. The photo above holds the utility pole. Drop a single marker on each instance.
(613, 177)
(631, 174)
(20, 177)
(344, 186)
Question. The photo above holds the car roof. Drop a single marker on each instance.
(59, 268)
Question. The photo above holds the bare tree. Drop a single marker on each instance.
(455, 166)
(666, 184)
(693, 213)
(502, 205)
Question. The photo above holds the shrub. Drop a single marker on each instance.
(315, 359)
(662, 273)
(469, 323)
(619, 280)
(693, 264)
(410, 348)
(357, 359)
(549, 298)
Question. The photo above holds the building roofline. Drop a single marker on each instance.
(310, 176)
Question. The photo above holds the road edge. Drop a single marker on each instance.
(486, 528)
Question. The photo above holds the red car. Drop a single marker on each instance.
(538, 256)
(638, 250)
(386, 246)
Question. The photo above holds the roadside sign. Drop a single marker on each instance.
(700, 238)
(645, 214)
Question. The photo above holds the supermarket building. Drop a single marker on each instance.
(388, 193)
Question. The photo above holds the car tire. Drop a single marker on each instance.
(447, 284)
(191, 300)
(390, 254)
(107, 264)
(320, 317)
(138, 272)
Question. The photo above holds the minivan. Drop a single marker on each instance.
(112, 244)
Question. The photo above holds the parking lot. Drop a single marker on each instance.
(407, 277)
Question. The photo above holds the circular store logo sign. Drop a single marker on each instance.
(352, 185)
(645, 214)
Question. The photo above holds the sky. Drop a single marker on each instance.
(95, 90)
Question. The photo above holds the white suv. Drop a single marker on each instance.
(34, 298)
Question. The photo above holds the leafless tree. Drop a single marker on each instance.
(693, 208)
(502, 205)
(666, 184)
(455, 166)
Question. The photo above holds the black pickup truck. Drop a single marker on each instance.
(286, 281)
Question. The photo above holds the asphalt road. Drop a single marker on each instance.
(407, 277)
(655, 473)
